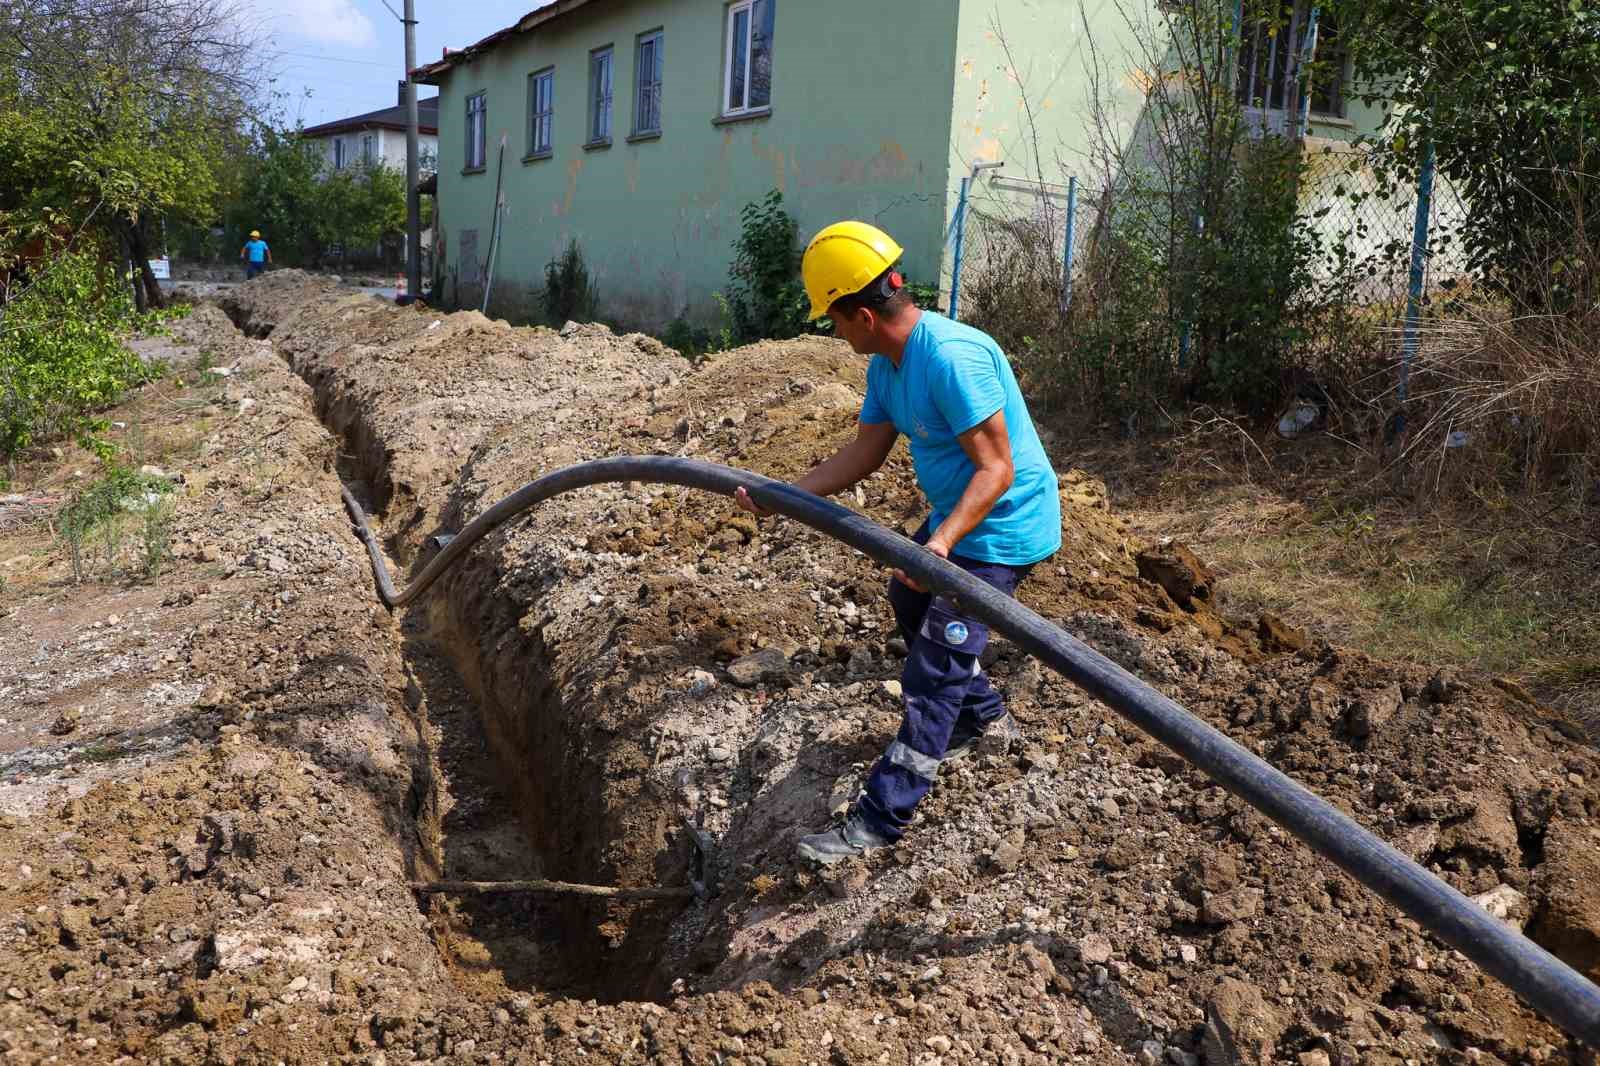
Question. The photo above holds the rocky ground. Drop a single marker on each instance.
(207, 859)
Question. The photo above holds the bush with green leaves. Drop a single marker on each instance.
(61, 355)
(100, 518)
(1197, 277)
(286, 189)
(278, 193)
(1245, 280)
(570, 295)
(766, 299)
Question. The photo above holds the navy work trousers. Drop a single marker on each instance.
(948, 699)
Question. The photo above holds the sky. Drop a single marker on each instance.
(336, 58)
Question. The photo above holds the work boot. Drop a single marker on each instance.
(1004, 728)
(848, 841)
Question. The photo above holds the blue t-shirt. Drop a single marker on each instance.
(256, 250)
(952, 377)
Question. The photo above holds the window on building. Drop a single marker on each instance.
(338, 153)
(1271, 50)
(541, 110)
(477, 131)
(600, 95)
(368, 149)
(647, 73)
(749, 57)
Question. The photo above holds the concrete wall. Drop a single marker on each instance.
(859, 127)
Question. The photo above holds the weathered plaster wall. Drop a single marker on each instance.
(859, 128)
(1028, 76)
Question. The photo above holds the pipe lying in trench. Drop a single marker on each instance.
(1552, 987)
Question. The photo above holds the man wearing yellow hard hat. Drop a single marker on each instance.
(256, 255)
(995, 510)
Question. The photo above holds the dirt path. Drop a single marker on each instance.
(215, 856)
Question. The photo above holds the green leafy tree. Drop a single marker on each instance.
(1508, 95)
(359, 206)
(114, 113)
(61, 352)
(278, 193)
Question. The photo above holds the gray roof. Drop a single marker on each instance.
(388, 118)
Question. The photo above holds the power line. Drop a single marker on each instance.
(332, 59)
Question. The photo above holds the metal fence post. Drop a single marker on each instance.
(1185, 338)
(1066, 264)
(1419, 265)
(1308, 59)
(1235, 46)
(961, 233)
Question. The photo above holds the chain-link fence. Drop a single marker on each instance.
(1309, 284)
(1367, 224)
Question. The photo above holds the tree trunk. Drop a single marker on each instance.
(137, 289)
(141, 263)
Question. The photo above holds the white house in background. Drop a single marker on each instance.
(378, 136)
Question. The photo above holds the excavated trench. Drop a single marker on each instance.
(562, 672)
(525, 786)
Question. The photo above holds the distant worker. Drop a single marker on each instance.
(256, 255)
(992, 491)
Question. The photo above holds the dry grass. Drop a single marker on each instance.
(1528, 386)
(1507, 584)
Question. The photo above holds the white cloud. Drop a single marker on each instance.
(337, 22)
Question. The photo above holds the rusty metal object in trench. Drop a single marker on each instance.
(1549, 985)
(702, 881)
(552, 888)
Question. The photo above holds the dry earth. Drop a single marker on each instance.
(216, 785)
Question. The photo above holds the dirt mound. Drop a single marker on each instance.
(185, 873)
(591, 633)
(1079, 896)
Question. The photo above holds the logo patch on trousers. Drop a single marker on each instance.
(956, 633)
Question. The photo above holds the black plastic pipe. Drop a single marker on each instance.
(1550, 985)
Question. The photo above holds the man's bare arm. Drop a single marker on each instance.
(845, 467)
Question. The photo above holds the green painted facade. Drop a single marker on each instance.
(877, 112)
(859, 127)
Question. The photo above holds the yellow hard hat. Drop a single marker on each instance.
(255, 233)
(843, 259)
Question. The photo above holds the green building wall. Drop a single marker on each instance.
(878, 111)
(859, 127)
(1029, 78)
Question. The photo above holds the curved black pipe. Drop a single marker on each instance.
(1544, 981)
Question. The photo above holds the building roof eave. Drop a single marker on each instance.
(433, 73)
(331, 129)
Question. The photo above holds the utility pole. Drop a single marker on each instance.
(413, 202)
(413, 162)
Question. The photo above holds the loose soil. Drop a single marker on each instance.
(208, 862)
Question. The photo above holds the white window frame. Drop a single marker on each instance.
(647, 93)
(477, 143)
(601, 95)
(742, 49)
(369, 149)
(338, 153)
(541, 121)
